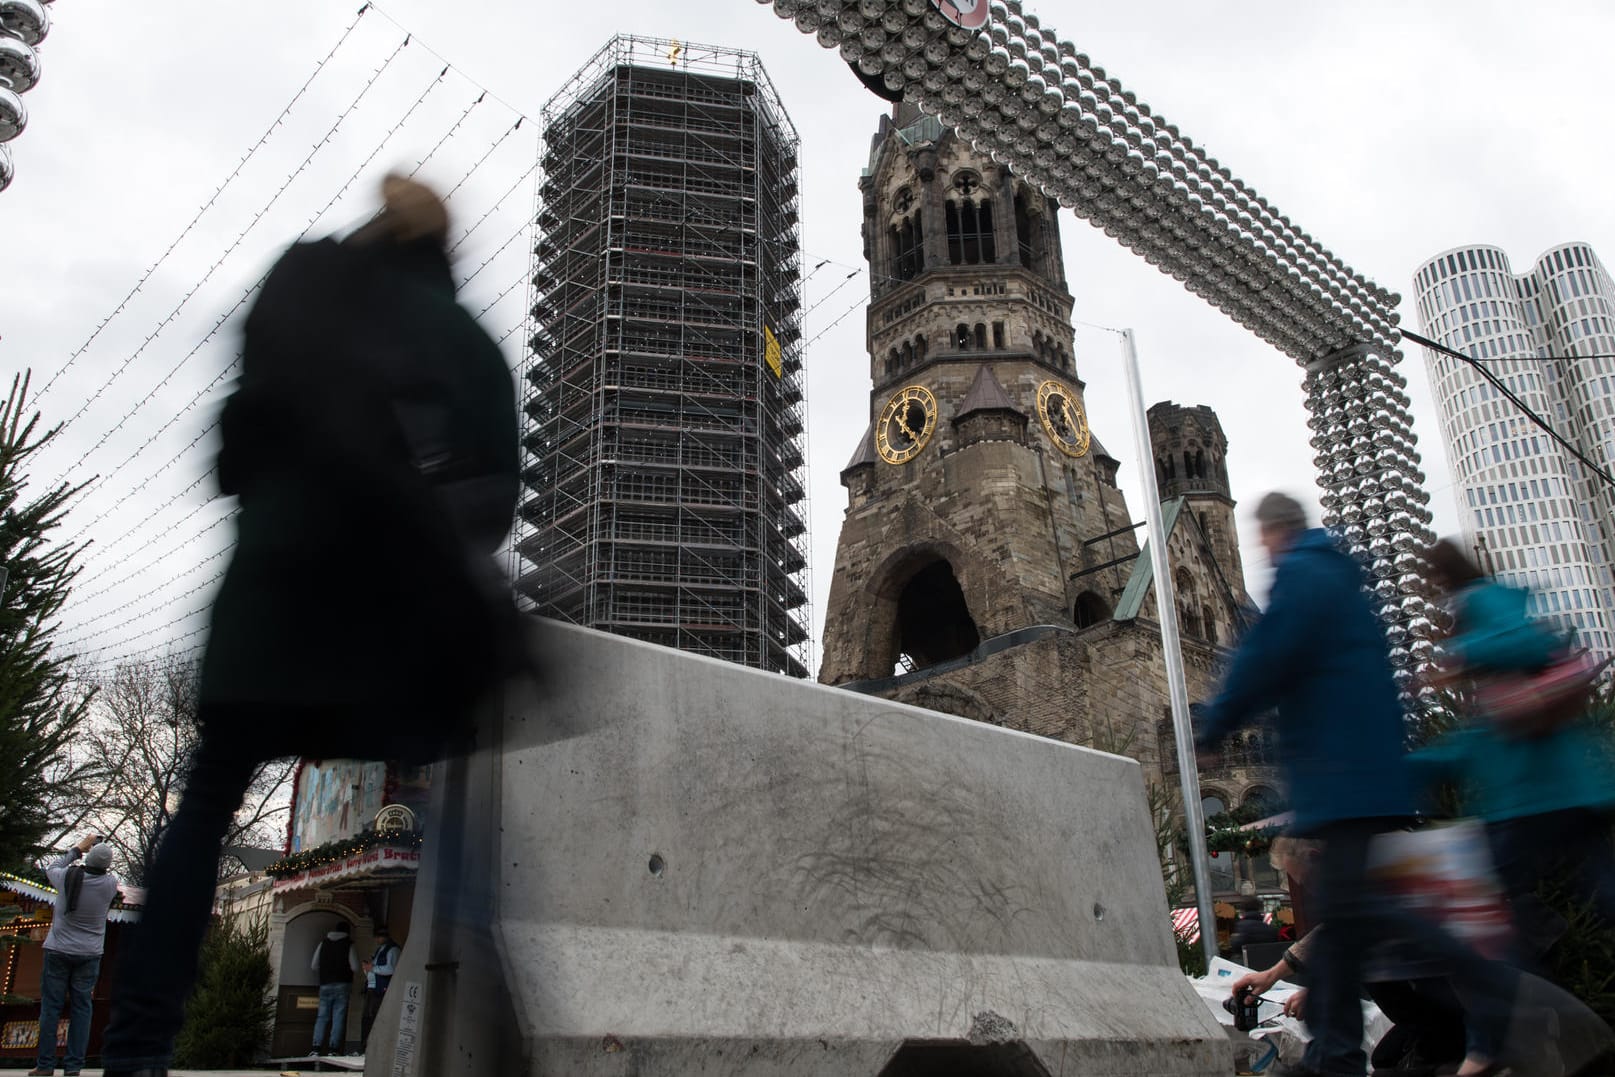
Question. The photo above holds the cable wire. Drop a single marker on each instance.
(207, 274)
(494, 208)
(1508, 394)
(254, 148)
(450, 132)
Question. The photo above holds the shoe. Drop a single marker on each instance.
(37, 1072)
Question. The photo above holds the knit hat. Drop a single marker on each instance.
(99, 857)
(416, 210)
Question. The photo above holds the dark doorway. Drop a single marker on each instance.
(1091, 610)
(964, 1060)
(933, 621)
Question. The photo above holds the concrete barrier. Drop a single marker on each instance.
(720, 871)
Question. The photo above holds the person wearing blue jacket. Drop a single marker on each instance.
(1546, 800)
(1318, 656)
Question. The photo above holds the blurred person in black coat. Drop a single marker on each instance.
(372, 444)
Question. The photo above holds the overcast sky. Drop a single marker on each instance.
(1389, 130)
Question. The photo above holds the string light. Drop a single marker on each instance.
(251, 151)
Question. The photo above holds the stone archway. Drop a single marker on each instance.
(294, 936)
(934, 623)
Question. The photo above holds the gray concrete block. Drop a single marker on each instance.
(723, 871)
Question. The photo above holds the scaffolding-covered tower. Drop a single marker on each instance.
(665, 484)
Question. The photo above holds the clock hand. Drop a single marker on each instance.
(902, 420)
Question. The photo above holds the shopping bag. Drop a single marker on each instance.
(1537, 704)
(1445, 873)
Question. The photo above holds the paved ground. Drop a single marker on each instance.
(299, 1068)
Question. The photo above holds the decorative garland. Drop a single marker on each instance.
(335, 851)
(1225, 831)
(1235, 840)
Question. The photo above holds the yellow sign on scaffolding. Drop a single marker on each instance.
(771, 353)
(674, 52)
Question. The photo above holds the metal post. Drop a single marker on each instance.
(1172, 651)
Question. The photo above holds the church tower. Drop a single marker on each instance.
(1191, 456)
(988, 565)
(976, 491)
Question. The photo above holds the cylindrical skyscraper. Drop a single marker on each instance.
(1532, 514)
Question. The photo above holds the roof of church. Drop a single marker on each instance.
(986, 395)
(909, 124)
(866, 450)
(1138, 584)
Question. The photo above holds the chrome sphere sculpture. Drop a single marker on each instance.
(1022, 94)
(23, 25)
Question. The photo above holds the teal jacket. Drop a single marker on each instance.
(1508, 778)
(1494, 632)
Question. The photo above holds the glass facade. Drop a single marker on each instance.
(1532, 514)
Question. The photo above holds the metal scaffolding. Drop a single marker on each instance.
(666, 497)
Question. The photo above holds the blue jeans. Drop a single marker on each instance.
(333, 1015)
(1357, 916)
(68, 978)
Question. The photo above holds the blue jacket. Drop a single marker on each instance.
(1319, 656)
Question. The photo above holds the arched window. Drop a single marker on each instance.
(933, 620)
(981, 335)
(1090, 610)
(1212, 804)
(961, 337)
(907, 247)
(1208, 624)
(919, 346)
(955, 234)
(1188, 465)
(908, 354)
(892, 365)
(1199, 463)
(1263, 800)
(1023, 230)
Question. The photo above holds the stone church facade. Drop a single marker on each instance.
(988, 564)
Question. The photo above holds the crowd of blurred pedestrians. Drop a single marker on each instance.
(1524, 758)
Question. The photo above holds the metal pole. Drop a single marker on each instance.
(1172, 652)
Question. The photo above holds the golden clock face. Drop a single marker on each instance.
(906, 424)
(1063, 418)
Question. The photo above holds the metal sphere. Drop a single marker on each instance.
(19, 65)
(27, 20)
(13, 116)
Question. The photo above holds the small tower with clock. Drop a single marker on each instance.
(988, 565)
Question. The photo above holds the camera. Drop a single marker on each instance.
(1244, 1007)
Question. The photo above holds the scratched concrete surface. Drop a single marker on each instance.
(720, 871)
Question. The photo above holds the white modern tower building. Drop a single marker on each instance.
(1532, 513)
